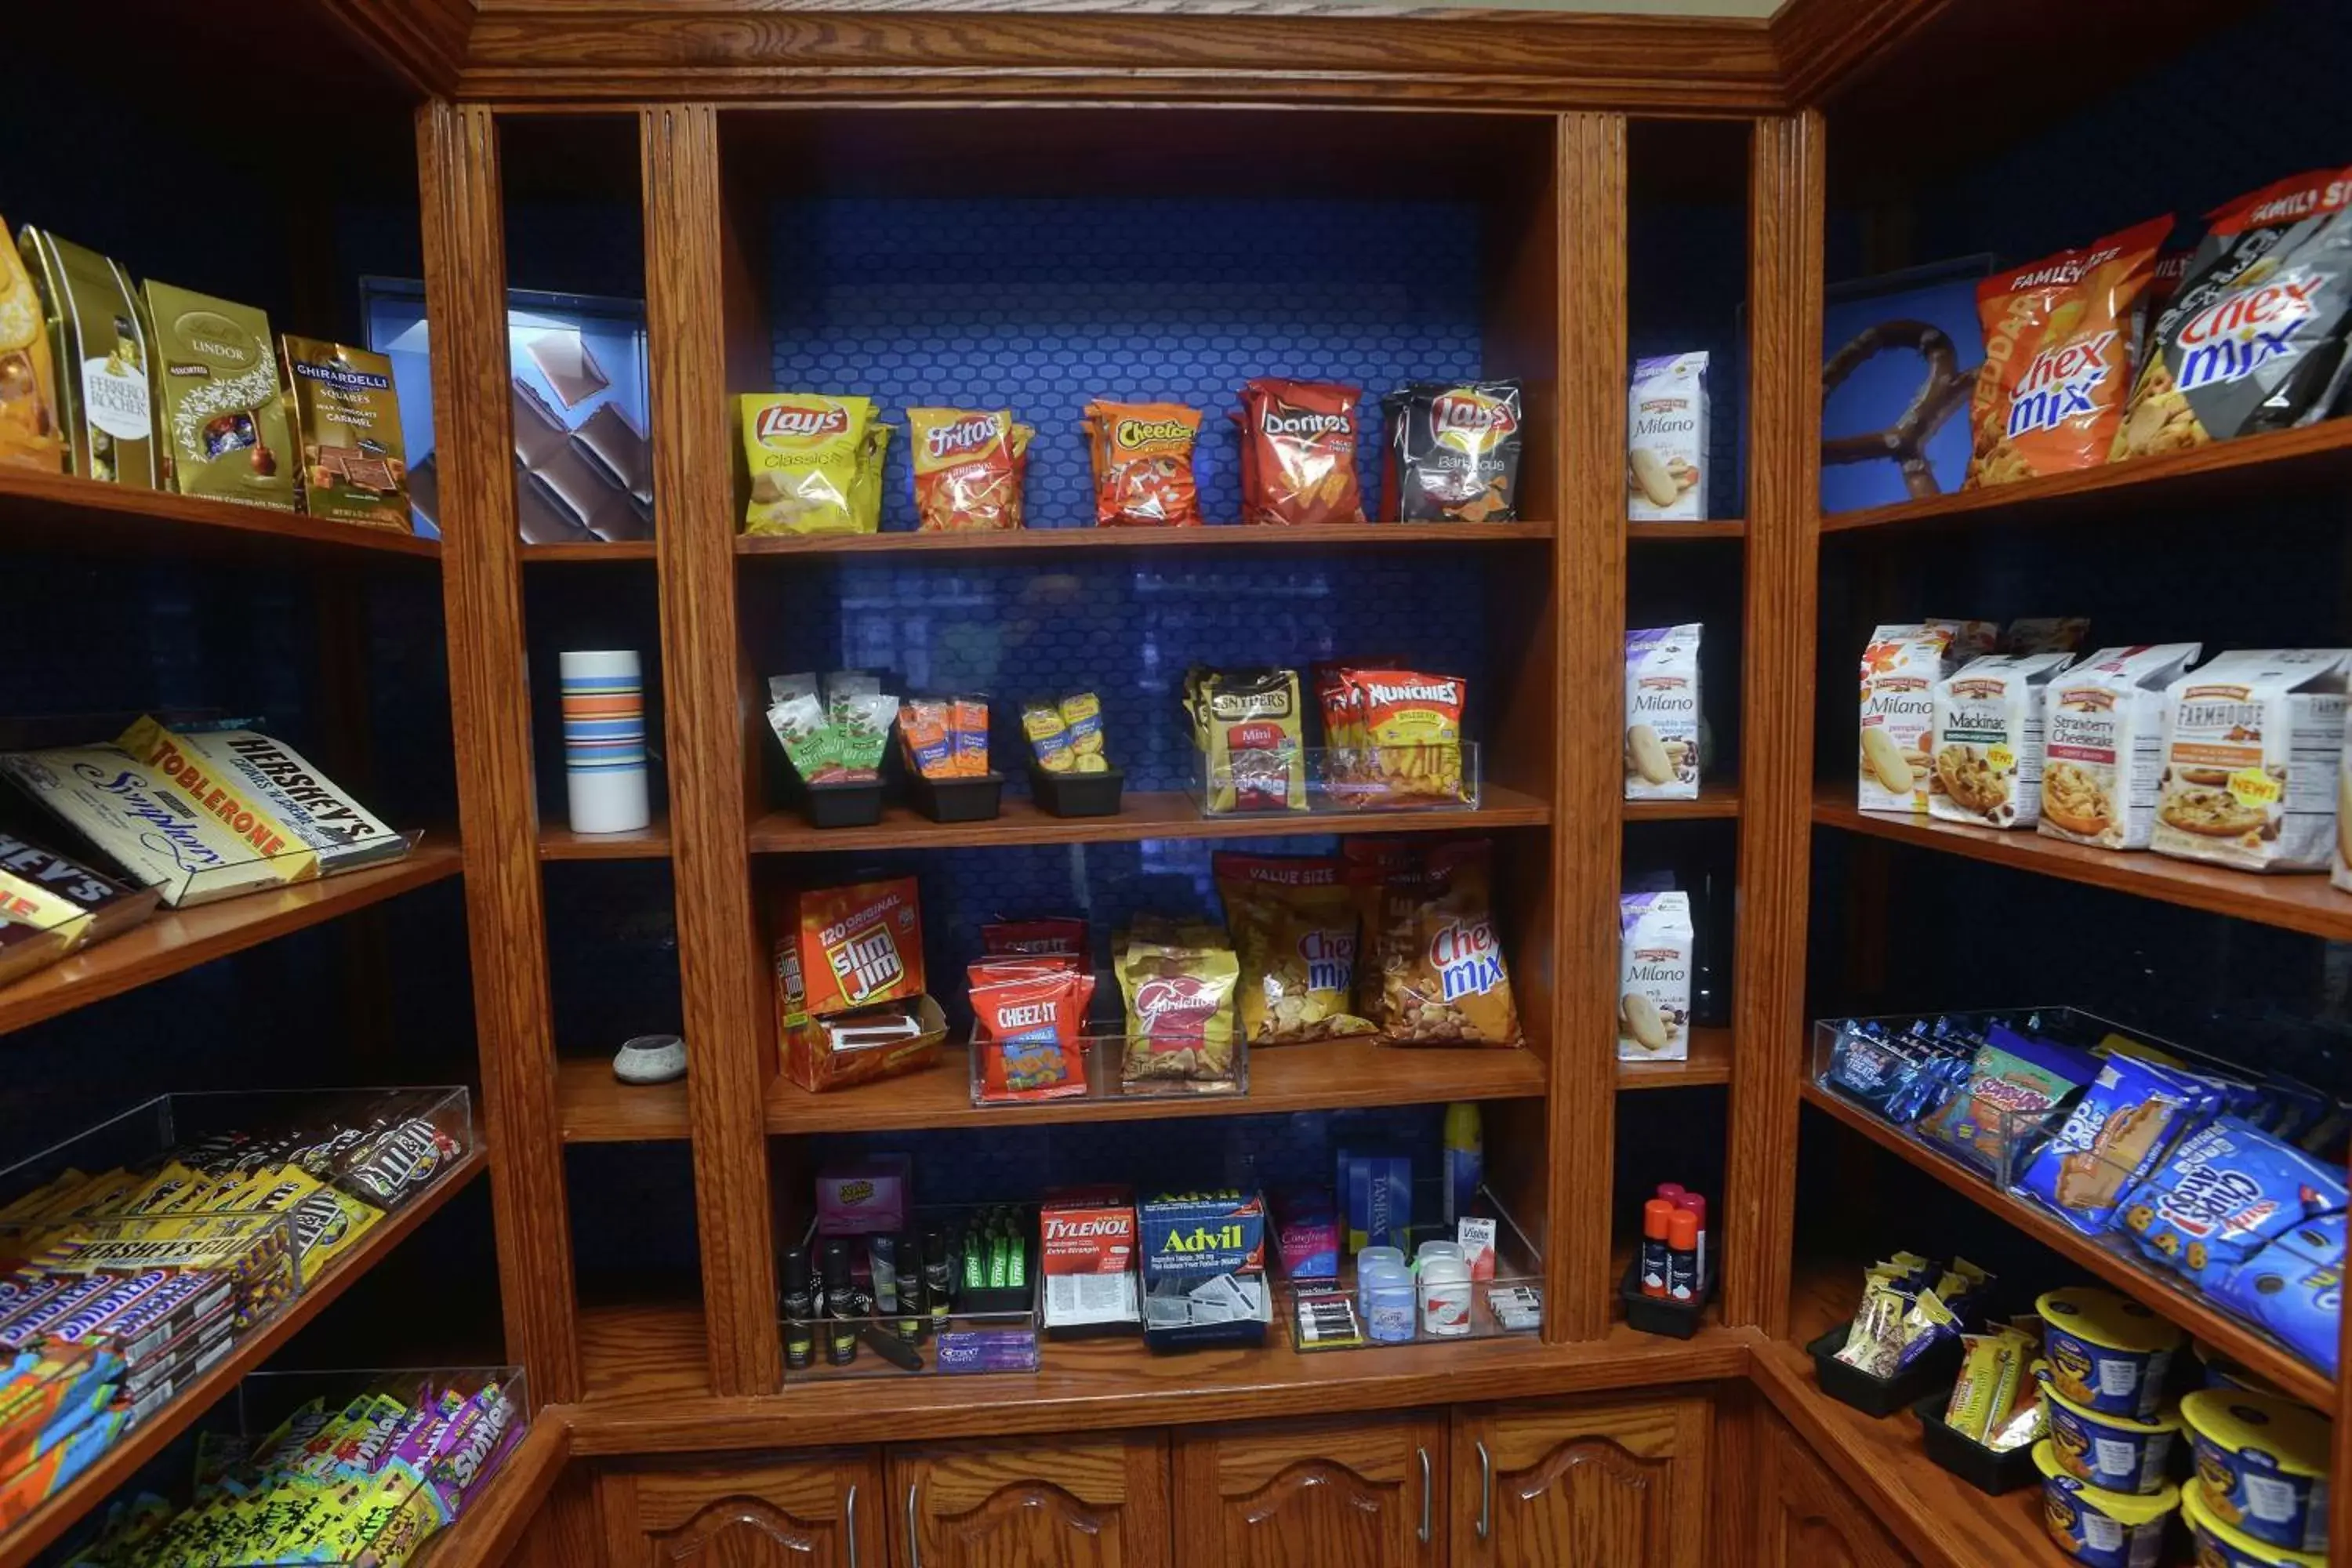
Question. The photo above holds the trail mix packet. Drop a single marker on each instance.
(838, 737)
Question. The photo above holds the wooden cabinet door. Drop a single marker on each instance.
(1581, 1484)
(1343, 1494)
(1074, 1503)
(821, 1509)
(1811, 1521)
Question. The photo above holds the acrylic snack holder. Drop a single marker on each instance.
(1343, 782)
(1307, 1304)
(1105, 1057)
(988, 1330)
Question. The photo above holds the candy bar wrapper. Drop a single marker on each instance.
(44, 1477)
(397, 1163)
(471, 1448)
(1988, 1385)
(863, 723)
(968, 723)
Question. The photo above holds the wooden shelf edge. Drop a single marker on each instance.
(45, 1524)
(558, 842)
(2316, 448)
(1685, 532)
(2300, 901)
(1948, 1522)
(1715, 800)
(2173, 1300)
(1709, 1062)
(176, 941)
(603, 552)
(61, 508)
(1023, 541)
(486, 1534)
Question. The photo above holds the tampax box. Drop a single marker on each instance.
(1087, 1238)
(1203, 1270)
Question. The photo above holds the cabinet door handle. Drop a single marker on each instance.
(1485, 1494)
(1424, 1498)
(849, 1512)
(914, 1529)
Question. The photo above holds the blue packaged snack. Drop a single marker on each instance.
(2300, 1107)
(2013, 1085)
(1876, 1070)
(2224, 1191)
(2133, 1112)
(2295, 1288)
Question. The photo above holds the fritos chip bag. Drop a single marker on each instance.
(1294, 925)
(1298, 452)
(1454, 451)
(968, 467)
(1442, 978)
(815, 463)
(1032, 1031)
(1143, 456)
(1177, 981)
(2060, 335)
(1251, 728)
(2254, 339)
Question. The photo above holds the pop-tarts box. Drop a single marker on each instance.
(1203, 1270)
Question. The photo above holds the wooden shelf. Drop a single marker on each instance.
(1144, 814)
(111, 1469)
(558, 842)
(2316, 456)
(1327, 1075)
(1716, 799)
(1684, 532)
(2301, 902)
(59, 510)
(644, 1371)
(602, 551)
(1709, 1062)
(2174, 1298)
(1053, 541)
(177, 940)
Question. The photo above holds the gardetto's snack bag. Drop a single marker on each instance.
(2252, 744)
(2060, 334)
(2254, 338)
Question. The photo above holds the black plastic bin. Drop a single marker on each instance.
(1990, 1470)
(1078, 795)
(842, 805)
(1933, 1373)
(1660, 1314)
(973, 799)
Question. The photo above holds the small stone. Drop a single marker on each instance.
(650, 1058)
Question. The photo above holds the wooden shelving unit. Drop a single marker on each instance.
(612, 552)
(1716, 798)
(1709, 1062)
(1685, 532)
(179, 939)
(59, 510)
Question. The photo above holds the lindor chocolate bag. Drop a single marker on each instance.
(223, 420)
(99, 340)
(347, 415)
(29, 378)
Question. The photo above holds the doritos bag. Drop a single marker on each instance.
(2254, 338)
(1298, 452)
(2060, 335)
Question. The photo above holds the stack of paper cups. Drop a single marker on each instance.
(604, 741)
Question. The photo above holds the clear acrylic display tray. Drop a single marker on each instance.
(1341, 781)
(1104, 1080)
(273, 873)
(1519, 1268)
(988, 1330)
(272, 1252)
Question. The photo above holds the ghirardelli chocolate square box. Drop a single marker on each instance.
(347, 415)
(222, 416)
(100, 343)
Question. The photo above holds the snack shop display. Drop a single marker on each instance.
(1654, 976)
(1298, 452)
(1142, 459)
(203, 814)
(1986, 740)
(1666, 426)
(1250, 727)
(351, 1474)
(1029, 1029)
(1392, 737)
(940, 1289)
(2060, 334)
(346, 416)
(2254, 338)
(2102, 745)
(814, 461)
(1442, 980)
(1454, 451)
(1662, 713)
(98, 343)
(850, 1003)
(2252, 749)
(29, 416)
(51, 907)
(222, 418)
(970, 466)
(1294, 923)
(835, 733)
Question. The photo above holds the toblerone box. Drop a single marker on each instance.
(98, 341)
(2253, 745)
(222, 416)
(2102, 745)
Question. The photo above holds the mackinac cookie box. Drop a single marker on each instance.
(2106, 1352)
(2262, 1463)
(2104, 1529)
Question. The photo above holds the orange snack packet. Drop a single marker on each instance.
(1032, 1035)
(1142, 455)
(2061, 338)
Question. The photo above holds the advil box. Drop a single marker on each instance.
(1088, 1239)
(1203, 1270)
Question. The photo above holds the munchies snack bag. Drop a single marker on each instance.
(2060, 336)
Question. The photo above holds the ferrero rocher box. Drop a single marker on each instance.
(223, 419)
(29, 378)
(347, 415)
(100, 346)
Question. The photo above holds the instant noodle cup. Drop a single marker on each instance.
(2261, 1467)
(2106, 1352)
(2114, 1453)
(2104, 1529)
(2222, 1545)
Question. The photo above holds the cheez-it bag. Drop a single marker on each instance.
(2060, 338)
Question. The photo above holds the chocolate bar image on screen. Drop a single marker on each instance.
(540, 518)
(538, 430)
(621, 449)
(425, 492)
(570, 370)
